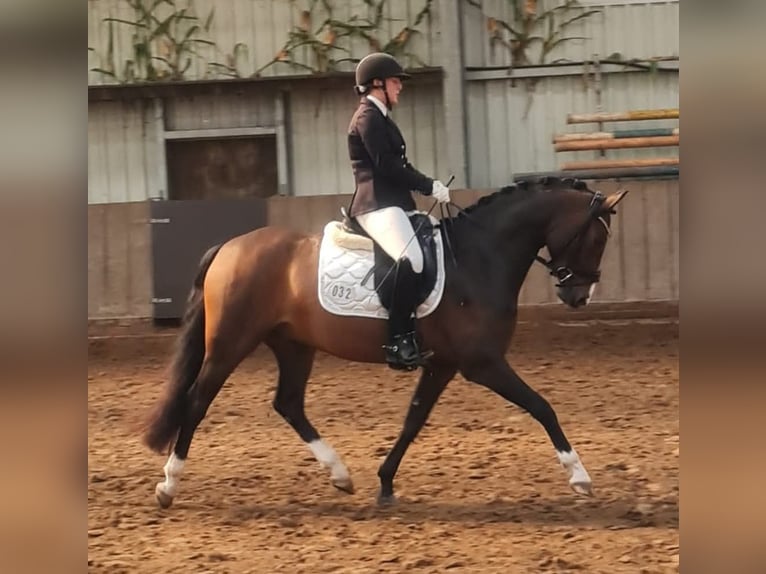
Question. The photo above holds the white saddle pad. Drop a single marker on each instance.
(345, 259)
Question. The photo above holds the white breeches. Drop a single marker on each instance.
(391, 229)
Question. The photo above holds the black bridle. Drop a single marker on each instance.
(564, 273)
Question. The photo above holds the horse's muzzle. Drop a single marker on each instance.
(575, 296)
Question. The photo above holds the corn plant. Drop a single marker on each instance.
(318, 48)
(164, 41)
(232, 62)
(530, 28)
(369, 30)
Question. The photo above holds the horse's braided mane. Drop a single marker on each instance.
(542, 184)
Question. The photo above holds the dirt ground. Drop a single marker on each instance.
(480, 491)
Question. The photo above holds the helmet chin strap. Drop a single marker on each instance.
(385, 93)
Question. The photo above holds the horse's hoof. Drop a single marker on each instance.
(343, 484)
(582, 488)
(386, 500)
(163, 499)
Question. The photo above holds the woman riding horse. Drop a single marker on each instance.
(384, 180)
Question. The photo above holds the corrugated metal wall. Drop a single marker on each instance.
(221, 111)
(123, 152)
(503, 137)
(124, 156)
(502, 142)
(319, 124)
(511, 129)
(262, 26)
(635, 30)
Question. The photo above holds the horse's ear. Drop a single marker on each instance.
(613, 199)
(579, 185)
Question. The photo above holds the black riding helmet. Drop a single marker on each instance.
(377, 66)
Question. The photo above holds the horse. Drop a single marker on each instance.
(261, 288)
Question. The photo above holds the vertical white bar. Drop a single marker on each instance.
(453, 90)
(282, 169)
(162, 174)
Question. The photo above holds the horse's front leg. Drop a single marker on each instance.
(498, 376)
(433, 380)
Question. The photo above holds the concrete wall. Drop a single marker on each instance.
(640, 263)
(119, 261)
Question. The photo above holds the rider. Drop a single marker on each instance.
(384, 181)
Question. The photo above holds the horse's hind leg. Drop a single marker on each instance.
(295, 361)
(211, 378)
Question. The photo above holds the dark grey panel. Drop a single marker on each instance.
(181, 233)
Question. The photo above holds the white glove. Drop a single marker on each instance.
(440, 192)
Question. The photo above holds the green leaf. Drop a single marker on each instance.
(192, 30)
(327, 6)
(105, 72)
(578, 17)
(240, 47)
(426, 10)
(509, 28)
(379, 12)
(163, 28)
(128, 22)
(209, 19)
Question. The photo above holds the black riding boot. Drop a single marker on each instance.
(402, 351)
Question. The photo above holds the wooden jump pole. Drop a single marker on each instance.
(666, 114)
(616, 134)
(618, 163)
(617, 143)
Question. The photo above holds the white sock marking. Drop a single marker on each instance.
(173, 468)
(328, 458)
(574, 467)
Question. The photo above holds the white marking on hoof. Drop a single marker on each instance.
(166, 491)
(581, 488)
(343, 484)
(579, 480)
(328, 458)
(163, 499)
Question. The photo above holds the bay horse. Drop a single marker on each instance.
(261, 287)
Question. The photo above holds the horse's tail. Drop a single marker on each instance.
(165, 420)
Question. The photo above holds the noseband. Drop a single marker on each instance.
(566, 274)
